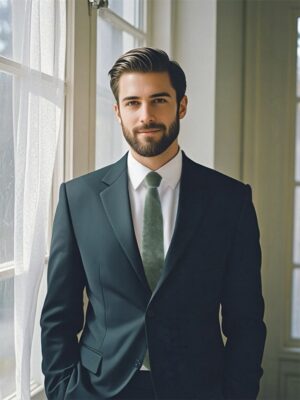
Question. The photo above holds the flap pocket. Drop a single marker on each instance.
(90, 358)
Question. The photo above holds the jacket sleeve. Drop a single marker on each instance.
(243, 308)
(62, 314)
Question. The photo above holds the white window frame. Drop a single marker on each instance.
(123, 25)
(13, 68)
(7, 269)
(292, 344)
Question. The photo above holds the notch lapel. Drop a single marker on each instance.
(193, 201)
(116, 203)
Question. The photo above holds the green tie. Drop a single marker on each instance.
(153, 237)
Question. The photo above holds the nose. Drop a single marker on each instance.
(146, 114)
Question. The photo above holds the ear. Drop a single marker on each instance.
(117, 112)
(183, 107)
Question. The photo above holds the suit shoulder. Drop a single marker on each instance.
(98, 179)
(90, 177)
(216, 177)
(219, 184)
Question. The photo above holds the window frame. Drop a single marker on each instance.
(122, 24)
(290, 344)
(7, 269)
(13, 68)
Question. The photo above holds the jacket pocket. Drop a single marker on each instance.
(90, 358)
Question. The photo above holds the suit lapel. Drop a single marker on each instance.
(194, 196)
(116, 203)
(193, 201)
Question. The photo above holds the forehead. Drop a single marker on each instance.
(144, 84)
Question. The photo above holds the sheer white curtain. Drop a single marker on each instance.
(38, 122)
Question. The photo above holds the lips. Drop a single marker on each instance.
(148, 131)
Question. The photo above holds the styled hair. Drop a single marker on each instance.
(147, 59)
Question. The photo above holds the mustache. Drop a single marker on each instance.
(152, 125)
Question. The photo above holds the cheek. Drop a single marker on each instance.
(168, 116)
(129, 119)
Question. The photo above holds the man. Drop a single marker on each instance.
(160, 243)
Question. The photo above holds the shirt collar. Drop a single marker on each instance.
(170, 172)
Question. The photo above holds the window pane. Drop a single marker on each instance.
(7, 359)
(130, 10)
(111, 43)
(5, 28)
(6, 170)
(296, 304)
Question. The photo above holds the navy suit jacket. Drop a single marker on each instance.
(213, 263)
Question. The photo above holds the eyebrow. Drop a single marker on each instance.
(160, 94)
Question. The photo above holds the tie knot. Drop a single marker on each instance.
(153, 179)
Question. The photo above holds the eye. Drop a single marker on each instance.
(132, 103)
(159, 100)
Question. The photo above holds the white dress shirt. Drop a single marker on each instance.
(168, 192)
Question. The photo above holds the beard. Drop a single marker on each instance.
(151, 146)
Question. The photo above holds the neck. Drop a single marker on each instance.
(157, 162)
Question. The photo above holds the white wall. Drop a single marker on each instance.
(186, 29)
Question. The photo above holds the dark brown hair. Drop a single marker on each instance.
(147, 59)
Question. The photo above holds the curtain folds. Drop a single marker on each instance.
(38, 106)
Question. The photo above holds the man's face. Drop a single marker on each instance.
(148, 111)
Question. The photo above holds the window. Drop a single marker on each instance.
(32, 48)
(295, 322)
(7, 363)
(119, 28)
